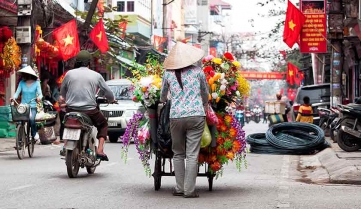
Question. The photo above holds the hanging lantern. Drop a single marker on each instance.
(40, 42)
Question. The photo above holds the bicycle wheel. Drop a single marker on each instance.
(20, 141)
(30, 142)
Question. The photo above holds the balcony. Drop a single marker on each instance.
(138, 26)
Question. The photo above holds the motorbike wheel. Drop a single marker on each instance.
(72, 162)
(90, 169)
(326, 130)
(333, 135)
(346, 141)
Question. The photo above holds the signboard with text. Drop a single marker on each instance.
(190, 12)
(312, 37)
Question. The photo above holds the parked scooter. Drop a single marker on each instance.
(349, 128)
(327, 116)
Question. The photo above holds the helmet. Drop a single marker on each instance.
(83, 56)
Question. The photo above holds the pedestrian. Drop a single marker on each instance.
(29, 88)
(264, 115)
(189, 95)
(287, 110)
(305, 112)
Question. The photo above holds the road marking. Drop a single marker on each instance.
(22, 187)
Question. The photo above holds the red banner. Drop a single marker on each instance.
(314, 30)
(213, 51)
(262, 75)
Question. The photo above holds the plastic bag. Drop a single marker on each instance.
(211, 116)
(206, 137)
(164, 138)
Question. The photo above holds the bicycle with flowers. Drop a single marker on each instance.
(228, 138)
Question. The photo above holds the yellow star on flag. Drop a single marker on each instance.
(291, 25)
(99, 36)
(68, 40)
(290, 73)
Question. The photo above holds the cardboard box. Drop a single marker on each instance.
(273, 107)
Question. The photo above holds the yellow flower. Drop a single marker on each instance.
(243, 86)
(217, 60)
(237, 64)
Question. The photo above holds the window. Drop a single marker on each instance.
(121, 6)
(130, 6)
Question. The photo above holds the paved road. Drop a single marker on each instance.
(271, 181)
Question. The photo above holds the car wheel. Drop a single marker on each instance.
(113, 138)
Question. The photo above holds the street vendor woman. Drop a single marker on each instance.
(189, 95)
(30, 91)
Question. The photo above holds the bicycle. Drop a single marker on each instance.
(21, 115)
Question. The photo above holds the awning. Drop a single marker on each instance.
(127, 62)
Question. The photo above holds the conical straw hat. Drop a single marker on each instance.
(182, 55)
(28, 70)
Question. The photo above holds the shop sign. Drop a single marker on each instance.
(312, 37)
(190, 12)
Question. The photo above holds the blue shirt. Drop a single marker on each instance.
(191, 100)
(29, 92)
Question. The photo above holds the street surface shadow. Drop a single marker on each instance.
(82, 175)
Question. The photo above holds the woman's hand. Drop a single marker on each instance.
(38, 100)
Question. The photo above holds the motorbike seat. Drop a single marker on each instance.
(85, 118)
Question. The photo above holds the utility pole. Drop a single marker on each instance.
(165, 3)
(24, 35)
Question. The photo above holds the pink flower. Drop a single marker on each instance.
(208, 58)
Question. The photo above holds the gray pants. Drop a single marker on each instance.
(186, 143)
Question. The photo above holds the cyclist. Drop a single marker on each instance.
(79, 89)
(29, 88)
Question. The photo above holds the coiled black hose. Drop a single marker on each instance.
(288, 138)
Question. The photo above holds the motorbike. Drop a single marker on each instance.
(248, 116)
(81, 143)
(240, 116)
(327, 117)
(257, 117)
(349, 128)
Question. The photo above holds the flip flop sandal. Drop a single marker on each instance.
(102, 157)
(193, 195)
(175, 193)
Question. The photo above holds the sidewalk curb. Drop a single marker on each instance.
(341, 171)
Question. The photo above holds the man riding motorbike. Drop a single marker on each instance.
(79, 89)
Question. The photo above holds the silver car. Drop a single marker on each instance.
(118, 115)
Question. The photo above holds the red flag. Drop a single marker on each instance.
(186, 40)
(67, 38)
(291, 73)
(98, 36)
(158, 41)
(123, 27)
(293, 24)
(213, 51)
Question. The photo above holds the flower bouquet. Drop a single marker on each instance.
(147, 81)
(224, 79)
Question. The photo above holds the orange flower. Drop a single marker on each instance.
(232, 132)
(212, 158)
(220, 140)
(230, 155)
(216, 166)
(228, 119)
(220, 150)
(201, 158)
(236, 146)
(223, 128)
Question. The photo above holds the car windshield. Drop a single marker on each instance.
(315, 94)
(121, 92)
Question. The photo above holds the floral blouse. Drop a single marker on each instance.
(191, 100)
